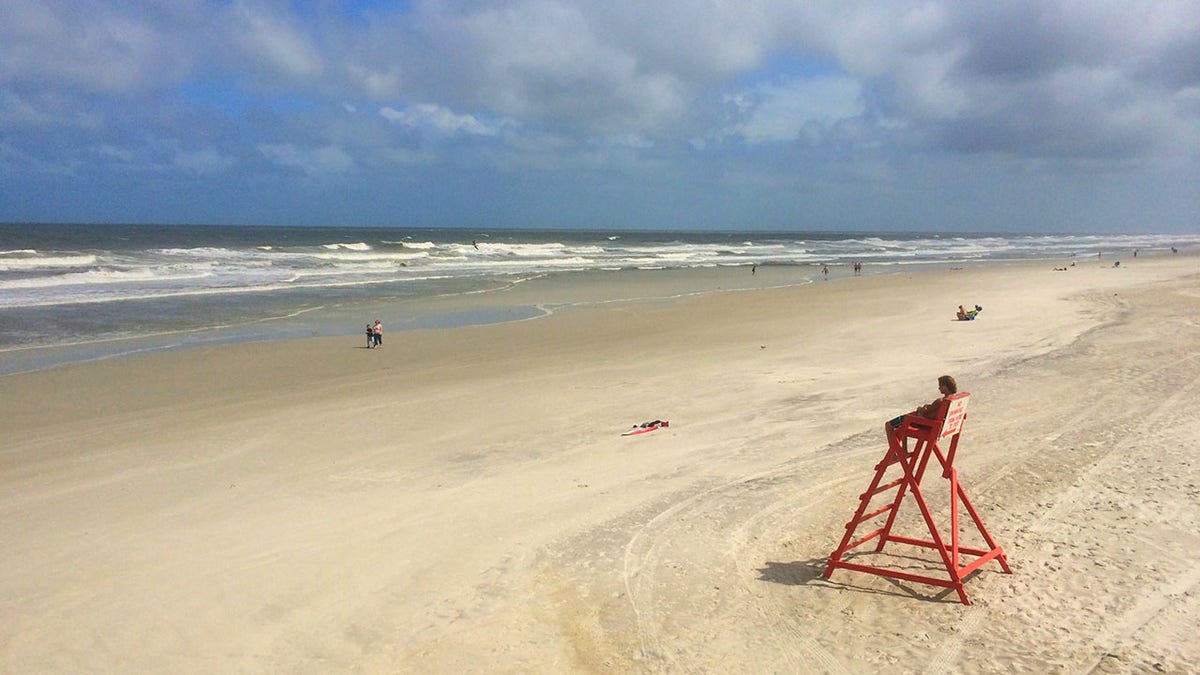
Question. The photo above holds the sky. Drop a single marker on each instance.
(844, 115)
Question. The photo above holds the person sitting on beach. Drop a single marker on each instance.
(968, 315)
(946, 386)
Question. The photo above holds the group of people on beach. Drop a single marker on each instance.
(375, 334)
(857, 267)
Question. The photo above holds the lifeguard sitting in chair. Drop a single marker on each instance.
(946, 385)
(929, 426)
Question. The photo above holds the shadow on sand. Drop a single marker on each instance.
(811, 573)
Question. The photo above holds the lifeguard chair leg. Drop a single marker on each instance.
(864, 500)
(994, 551)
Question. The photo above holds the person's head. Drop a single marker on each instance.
(947, 385)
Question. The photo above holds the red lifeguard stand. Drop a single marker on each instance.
(928, 434)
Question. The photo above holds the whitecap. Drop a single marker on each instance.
(49, 262)
(355, 246)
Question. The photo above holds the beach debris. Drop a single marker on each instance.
(646, 427)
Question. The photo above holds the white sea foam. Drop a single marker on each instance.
(354, 257)
(356, 246)
(46, 262)
(102, 277)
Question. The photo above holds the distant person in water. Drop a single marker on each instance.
(946, 386)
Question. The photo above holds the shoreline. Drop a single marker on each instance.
(519, 300)
(462, 499)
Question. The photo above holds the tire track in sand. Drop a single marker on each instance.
(644, 553)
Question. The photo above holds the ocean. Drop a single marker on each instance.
(77, 292)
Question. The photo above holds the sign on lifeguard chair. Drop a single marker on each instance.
(929, 434)
(956, 412)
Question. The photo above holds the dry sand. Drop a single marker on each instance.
(462, 500)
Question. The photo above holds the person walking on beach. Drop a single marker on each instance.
(377, 333)
(946, 386)
(370, 336)
(825, 272)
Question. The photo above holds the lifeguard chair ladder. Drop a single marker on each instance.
(927, 434)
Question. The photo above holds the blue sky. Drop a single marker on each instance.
(1043, 116)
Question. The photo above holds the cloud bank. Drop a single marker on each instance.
(755, 114)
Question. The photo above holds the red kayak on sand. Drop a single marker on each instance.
(645, 427)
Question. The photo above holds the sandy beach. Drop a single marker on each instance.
(463, 501)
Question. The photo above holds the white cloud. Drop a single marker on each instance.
(783, 111)
(375, 83)
(329, 159)
(551, 63)
(123, 155)
(276, 40)
(437, 118)
(114, 50)
(205, 160)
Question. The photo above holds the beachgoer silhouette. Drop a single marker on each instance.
(377, 333)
